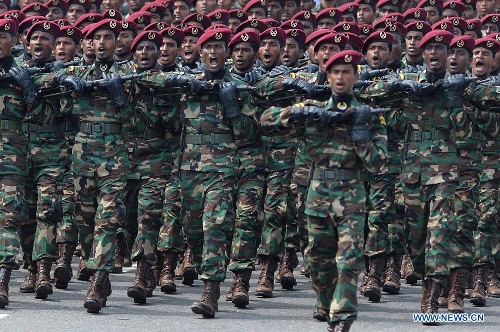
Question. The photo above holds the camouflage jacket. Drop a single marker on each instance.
(330, 146)
(204, 121)
(432, 154)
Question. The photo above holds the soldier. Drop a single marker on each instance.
(57, 9)
(171, 239)
(366, 12)
(415, 31)
(148, 154)
(123, 52)
(256, 9)
(482, 59)
(77, 8)
(430, 174)
(190, 50)
(17, 100)
(250, 184)
(434, 9)
(67, 227)
(99, 161)
(467, 192)
(236, 17)
(335, 230)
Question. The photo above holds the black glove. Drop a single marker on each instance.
(162, 103)
(410, 87)
(70, 81)
(56, 65)
(187, 82)
(298, 115)
(23, 78)
(455, 87)
(300, 86)
(279, 71)
(116, 90)
(312, 68)
(358, 129)
(251, 77)
(228, 95)
(368, 75)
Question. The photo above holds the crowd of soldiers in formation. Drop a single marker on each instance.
(125, 139)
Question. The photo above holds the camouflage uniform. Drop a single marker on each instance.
(335, 207)
(430, 176)
(13, 155)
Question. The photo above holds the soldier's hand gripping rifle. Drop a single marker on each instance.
(454, 87)
(320, 117)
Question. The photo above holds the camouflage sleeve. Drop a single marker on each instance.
(246, 127)
(486, 99)
(276, 121)
(374, 152)
(377, 90)
(132, 114)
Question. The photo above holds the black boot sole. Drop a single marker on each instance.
(240, 302)
(372, 294)
(3, 301)
(411, 279)
(60, 284)
(391, 290)
(200, 309)
(168, 289)
(288, 282)
(478, 302)
(264, 294)
(43, 291)
(63, 273)
(189, 276)
(27, 290)
(137, 294)
(93, 306)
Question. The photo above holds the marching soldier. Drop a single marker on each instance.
(336, 202)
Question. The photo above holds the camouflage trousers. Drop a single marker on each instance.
(487, 226)
(150, 191)
(298, 187)
(466, 211)
(67, 227)
(101, 209)
(431, 221)
(48, 185)
(130, 225)
(279, 212)
(249, 217)
(335, 220)
(207, 199)
(381, 197)
(11, 205)
(171, 236)
(28, 217)
(396, 227)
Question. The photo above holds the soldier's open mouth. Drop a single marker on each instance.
(433, 60)
(213, 61)
(453, 64)
(479, 64)
(267, 56)
(188, 54)
(37, 50)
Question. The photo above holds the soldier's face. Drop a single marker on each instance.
(447, 13)
(458, 61)
(168, 52)
(274, 10)
(146, 54)
(289, 10)
(205, 6)
(104, 44)
(325, 52)
(291, 53)
(432, 14)
(74, 12)
(124, 42)
(233, 24)
(308, 27)
(257, 13)
(226, 4)
(489, 28)
(485, 7)
(55, 13)
(412, 40)
(270, 52)
(190, 51)
(435, 57)
(6, 42)
(111, 4)
(66, 48)
(181, 10)
(469, 12)
(387, 9)
(365, 14)
(214, 55)
(243, 57)
(482, 62)
(88, 48)
(342, 78)
(325, 23)
(377, 55)
(41, 46)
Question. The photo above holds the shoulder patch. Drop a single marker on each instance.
(382, 120)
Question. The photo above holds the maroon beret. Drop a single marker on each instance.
(344, 58)
(88, 18)
(28, 22)
(315, 35)
(155, 8)
(378, 36)
(238, 14)
(252, 24)
(150, 36)
(15, 15)
(398, 3)
(156, 26)
(417, 14)
(219, 34)
(347, 27)
(57, 3)
(201, 19)
(332, 38)
(333, 13)
(84, 3)
(113, 13)
(270, 22)
(443, 25)
(219, 15)
(173, 33)
(140, 17)
(129, 25)
(454, 5)
(44, 26)
(36, 7)
(255, 3)
(489, 43)
(193, 31)
(245, 36)
(274, 33)
(466, 42)
(421, 26)
(8, 25)
(305, 16)
(436, 36)
(106, 24)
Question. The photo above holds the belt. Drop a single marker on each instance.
(208, 138)
(51, 128)
(148, 134)
(10, 124)
(102, 128)
(339, 174)
(432, 135)
(70, 126)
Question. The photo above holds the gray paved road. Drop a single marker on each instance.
(287, 311)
